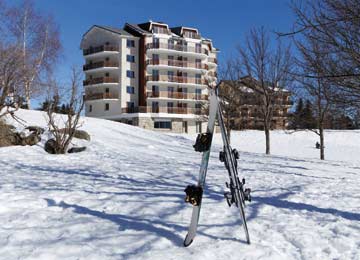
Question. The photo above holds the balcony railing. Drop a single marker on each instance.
(99, 81)
(100, 48)
(95, 96)
(178, 79)
(212, 74)
(212, 60)
(177, 63)
(100, 64)
(176, 95)
(168, 110)
(177, 47)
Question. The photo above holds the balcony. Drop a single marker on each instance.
(167, 110)
(212, 74)
(99, 81)
(177, 47)
(96, 96)
(100, 48)
(100, 64)
(176, 95)
(177, 63)
(176, 79)
(212, 62)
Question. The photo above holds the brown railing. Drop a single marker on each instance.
(213, 60)
(178, 79)
(169, 110)
(177, 63)
(99, 81)
(100, 48)
(95, 96)
(100, 64)
(176, 95)
(176, 47)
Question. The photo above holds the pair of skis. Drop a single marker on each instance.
(237, 194)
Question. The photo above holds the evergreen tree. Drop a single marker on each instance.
(297, 115)
(307, 117)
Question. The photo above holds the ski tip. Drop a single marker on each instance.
(187, 243)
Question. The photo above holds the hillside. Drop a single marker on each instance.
(123, 198)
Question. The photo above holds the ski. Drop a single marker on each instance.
(194, 193)
(203, 144)
(237, 193)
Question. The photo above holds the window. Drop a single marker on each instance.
(130, 43)
(90, 108)
(170, 107)
(155, 75)
(107, 107)
(198, 79)
(198, 48)
(197, 93)
(130, 90)
(155, 107)
(107, 90)
(155, 89)
(156, 42)
(171, 75)
(171, 60)
(162, 125)
(130, 74)
(130, 58)
(198, 63)
(107, 74)
(130, 107)
(171, 44)
(160, 29)
(190, 34)
(155, 59)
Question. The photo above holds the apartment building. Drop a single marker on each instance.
(148, 75)
(248, 114)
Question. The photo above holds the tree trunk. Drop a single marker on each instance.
(229, 134)
(27, 95)
(322, 152)
(267, 136)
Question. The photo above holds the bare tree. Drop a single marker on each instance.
(38, 37)
(10, 78)
(230, 94)
(335, 26)
(63, 127)
(319, 89)
(268, 71)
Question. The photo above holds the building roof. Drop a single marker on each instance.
(110, 29)
(249, 84)
(135, 28)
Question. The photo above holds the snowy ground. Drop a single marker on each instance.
(123, 198)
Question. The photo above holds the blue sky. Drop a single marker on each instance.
(226, 22)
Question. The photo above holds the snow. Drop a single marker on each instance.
(123, 197)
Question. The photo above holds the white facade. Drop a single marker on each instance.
(153, 78)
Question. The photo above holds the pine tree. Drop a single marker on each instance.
(307, 117)
(297, 114)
